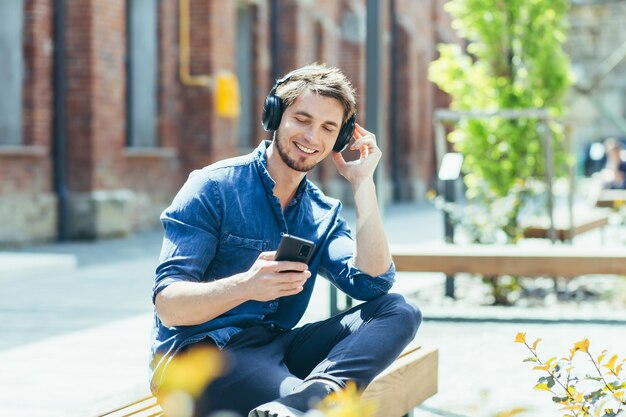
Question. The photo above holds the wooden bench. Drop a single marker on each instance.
(564, 231)
(496, 260)
(611, 198)
(406, 383)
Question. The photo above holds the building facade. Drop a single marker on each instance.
(98, 132)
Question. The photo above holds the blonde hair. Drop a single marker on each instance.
(320, 79)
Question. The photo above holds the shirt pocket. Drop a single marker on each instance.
(243, 242)
(236, 254)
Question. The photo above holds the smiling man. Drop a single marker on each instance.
(218, 284)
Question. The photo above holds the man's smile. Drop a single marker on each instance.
(304, 149)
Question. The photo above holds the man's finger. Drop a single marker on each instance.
(267, 256)
(291, 279)
(366, 141)
(339, 160)
(290, 266)
(288, 291)
(359, 128)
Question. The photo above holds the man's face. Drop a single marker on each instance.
(308, 130)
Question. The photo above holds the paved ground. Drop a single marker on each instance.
(75, 328)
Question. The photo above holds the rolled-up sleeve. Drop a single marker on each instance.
(337, 265)
(191, 233)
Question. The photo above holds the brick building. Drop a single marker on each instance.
(97, 131)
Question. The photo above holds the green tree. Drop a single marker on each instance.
(514, 59)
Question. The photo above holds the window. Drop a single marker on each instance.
(142, 73)
(11, 71)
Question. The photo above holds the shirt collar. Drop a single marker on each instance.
(268, 181)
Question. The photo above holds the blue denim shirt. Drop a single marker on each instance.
(222, 219)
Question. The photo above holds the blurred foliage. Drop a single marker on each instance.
(344, 403)
(599, 391)
(186, 377)
(514, 60)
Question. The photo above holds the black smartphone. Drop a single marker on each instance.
(293, 248)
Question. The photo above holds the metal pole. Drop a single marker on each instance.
(449, 197)
(547, 144)
(59, 123)
(447, 189)
(372, 89)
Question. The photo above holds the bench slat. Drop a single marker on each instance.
(410, 380)
(146, 407)
(494, 260)
(611, 198)
(583, 222)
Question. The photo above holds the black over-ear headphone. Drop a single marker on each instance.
(273, 112)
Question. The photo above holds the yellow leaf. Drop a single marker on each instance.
(610, 365)
(619, 395)
(572, 407)
(520, 337)
(347, 403)
(511, 412)
(583, 345)
(542, 387)
(545, 367)
(579, 397)
(535, 343)
(618, 369)
(602, 355)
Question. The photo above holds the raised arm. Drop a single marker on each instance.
(372, 249)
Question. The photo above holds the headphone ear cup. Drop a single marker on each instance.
(272, 112)
(345, 134)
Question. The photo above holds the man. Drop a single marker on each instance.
(218, 283)
(613, 175)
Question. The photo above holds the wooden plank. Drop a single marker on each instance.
(146, 407)
(406, 383)
(611, 198)
(583, 222)
(494, 260)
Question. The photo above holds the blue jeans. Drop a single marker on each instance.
(265, 363)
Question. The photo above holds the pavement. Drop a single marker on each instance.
(75, 323)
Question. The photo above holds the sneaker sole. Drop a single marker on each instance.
(275, 410)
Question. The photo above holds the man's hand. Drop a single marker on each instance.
(362, 168)
(267, 280)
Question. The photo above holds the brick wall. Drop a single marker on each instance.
(37, 102)
(26, 200)
(96, 85)
(106, 179)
